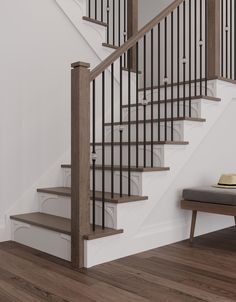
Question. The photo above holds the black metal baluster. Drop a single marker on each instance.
(159, 81)
(200, 45)
(103, 150)
(190, 58)
(195, 48)
(172, 76)
(234, 41)
(165, 74)
(119, 23)
(114, 23)
(108, 21)
(231, 39)
(94, 155)
(178, 63)
(206, 47)
(184, 59)
(121, 127)
(137, 104)
(152, 83)
(96, 10)
(226, 39)
(89, 8)
(102, 18)
(144, 96)
(125, 28)
(222, 38)
(129, 122)
(112, 130)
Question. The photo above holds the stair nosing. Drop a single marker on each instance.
(197, 98)
(116, 199)
(95, 21)
(161, 120)
(91, 236)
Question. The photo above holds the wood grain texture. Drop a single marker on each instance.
(80, 161)
(203, 271)
(62, 225)
(213, 35)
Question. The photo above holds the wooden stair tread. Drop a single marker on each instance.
(125, 168)
(161, 120)
(62, 225)
(66, 191)
(177, 143)
(95, 21)
(197, 98)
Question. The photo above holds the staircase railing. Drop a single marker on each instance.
(120, 17)
(169, 62)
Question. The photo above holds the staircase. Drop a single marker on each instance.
(152, 103)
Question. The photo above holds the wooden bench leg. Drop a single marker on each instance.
(193, 224)
(235, 219)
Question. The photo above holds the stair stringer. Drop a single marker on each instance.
(139, 235)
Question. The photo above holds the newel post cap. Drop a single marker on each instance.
(80, 64)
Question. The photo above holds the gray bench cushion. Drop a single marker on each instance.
(211, 195)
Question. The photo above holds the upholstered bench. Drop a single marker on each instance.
(210, 200)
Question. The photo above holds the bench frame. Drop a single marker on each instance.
(213, 208)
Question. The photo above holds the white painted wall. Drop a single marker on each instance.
(38, 44)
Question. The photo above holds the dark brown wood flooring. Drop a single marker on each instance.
(205, 271)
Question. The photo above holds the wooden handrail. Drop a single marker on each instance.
(133, 40)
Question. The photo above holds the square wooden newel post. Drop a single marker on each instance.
(213, 38)
(132, 21)
(80, 160)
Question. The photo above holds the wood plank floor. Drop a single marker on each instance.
(205, 271)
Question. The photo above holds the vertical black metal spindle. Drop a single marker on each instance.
(165, 74)
(108, 21)
(103, 150)
(201, 45)
(114, 22)
(222, 38)
(172, 76)
(184, 58)
(125, 28)
(96, 10)
(178, 62)
(102, 18)
(137, 104)
(121, 127)
(159, 81)
(152, 83)
(129, 122)
(94, 154)
(234, 57)
(112, 130)
(231, 39)
(195, 48)
(226, 38)
(119, 23)
(190, 58)
(144, 96)
(89, 8)
(206, 46)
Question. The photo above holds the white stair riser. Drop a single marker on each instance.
(195, 111)
(178, 132)
(61, 206)
(50, 242)
(136, 181)
(158, 156)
